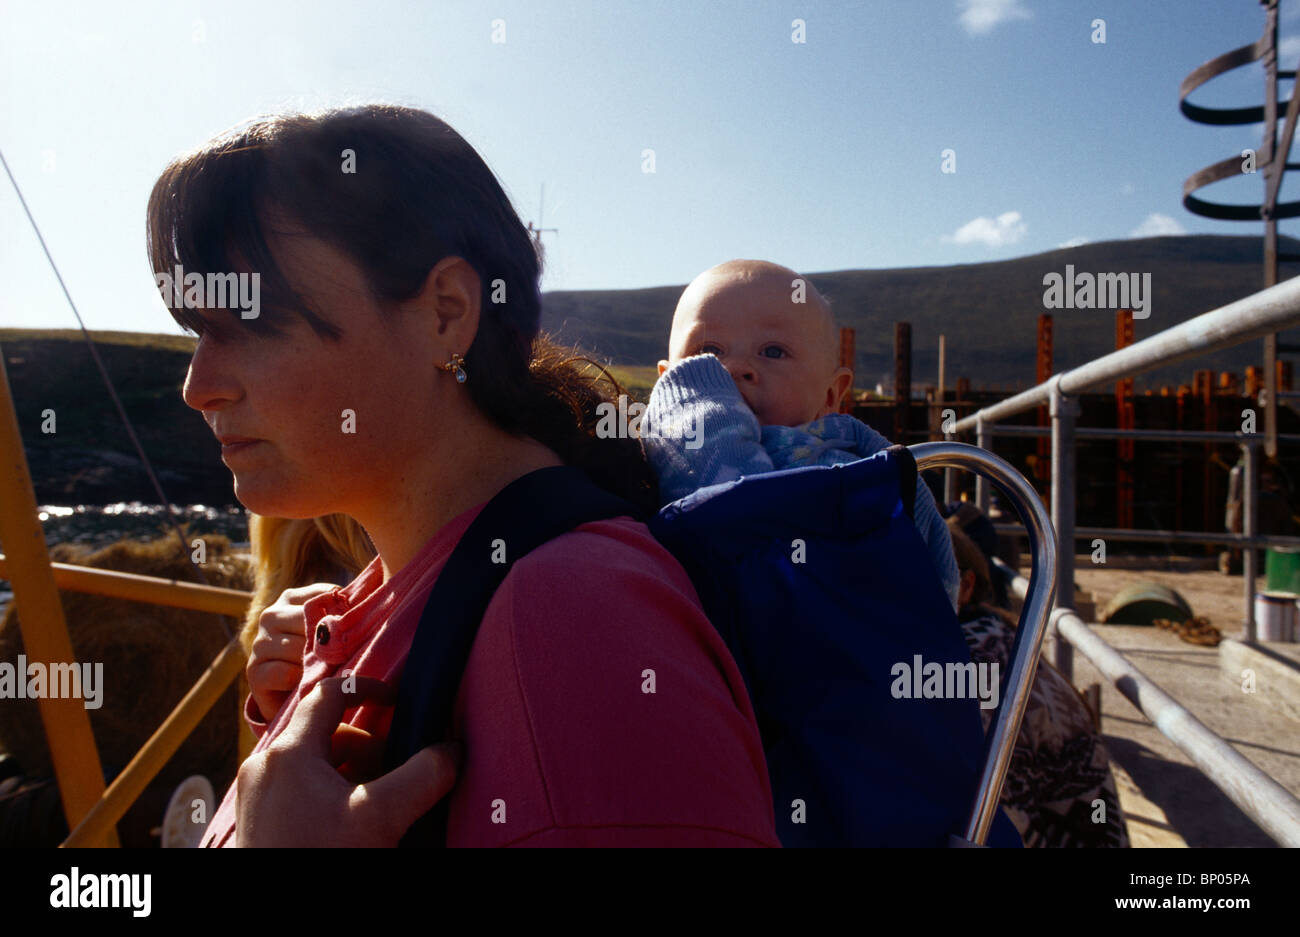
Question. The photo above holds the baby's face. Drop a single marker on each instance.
(780, 353)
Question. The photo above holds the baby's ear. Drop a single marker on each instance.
(663, 366)
(841, 384)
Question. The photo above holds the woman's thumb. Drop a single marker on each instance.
(411, 790)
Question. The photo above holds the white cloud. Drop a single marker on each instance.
(1126, 189)
(1157, 225)
(978, 17)
(1006, 228)
(1075, 242)
(1288, 50)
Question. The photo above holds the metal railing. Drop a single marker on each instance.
(1001, 741)
(1245, 440)
(1261, 798)
(1264, 313)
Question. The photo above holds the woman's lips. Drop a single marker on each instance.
(234, 445)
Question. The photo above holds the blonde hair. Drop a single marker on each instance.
(291, 553)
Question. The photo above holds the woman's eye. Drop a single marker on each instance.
(773, 351)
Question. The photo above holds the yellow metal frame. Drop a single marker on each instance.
(155, 753)
(151, 589)
(91, 811)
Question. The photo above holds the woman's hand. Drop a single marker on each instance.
(275, 660)
(291, 795)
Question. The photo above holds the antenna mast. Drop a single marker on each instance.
(538, 231)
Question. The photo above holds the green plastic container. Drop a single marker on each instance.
(1144, 602)
(1282, 569)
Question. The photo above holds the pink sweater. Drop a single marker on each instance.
(563, 745)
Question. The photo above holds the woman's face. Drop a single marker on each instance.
(312, 425)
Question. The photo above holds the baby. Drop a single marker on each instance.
(753, 368)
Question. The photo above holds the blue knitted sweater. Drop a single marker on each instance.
(698, 431)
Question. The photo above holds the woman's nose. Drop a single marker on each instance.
(209, 384)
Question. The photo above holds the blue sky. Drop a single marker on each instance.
(821, 155)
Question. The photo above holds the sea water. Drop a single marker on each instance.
(100, 525)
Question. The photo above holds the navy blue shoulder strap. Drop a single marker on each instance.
(907, 478)
(525, 514)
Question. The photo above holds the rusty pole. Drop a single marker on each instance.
(902, 380)
(1124, 420)
(1043, 371)
(848, 358)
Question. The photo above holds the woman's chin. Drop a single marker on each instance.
(270, 500)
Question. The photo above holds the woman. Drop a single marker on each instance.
(393, 373)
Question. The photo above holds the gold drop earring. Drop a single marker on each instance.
(457, 366)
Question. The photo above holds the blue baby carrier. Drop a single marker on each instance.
(828, 599)
(825, 594)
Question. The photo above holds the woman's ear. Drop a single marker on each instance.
(452, 295)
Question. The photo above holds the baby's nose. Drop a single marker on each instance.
(741, 373)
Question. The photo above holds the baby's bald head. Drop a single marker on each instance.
(765, 286)
(772, 330)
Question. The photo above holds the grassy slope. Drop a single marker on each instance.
(988, 312)
(181, 343)
(53, 370)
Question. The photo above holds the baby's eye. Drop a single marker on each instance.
(773, 351)
(710, 349)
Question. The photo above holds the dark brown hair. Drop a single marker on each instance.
(419, 193)
(970, 559)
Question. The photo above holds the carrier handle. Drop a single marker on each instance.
(1033, 615)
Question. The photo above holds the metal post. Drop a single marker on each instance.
(1249, 559)
(983, 439)
(1273, 170)
(902, 380)
(949, 474)
(1063, 410)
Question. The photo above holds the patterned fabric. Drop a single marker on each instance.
(698, 431)
(1060, 766)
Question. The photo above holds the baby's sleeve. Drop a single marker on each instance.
(698, 431)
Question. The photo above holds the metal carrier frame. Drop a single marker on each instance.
(1040, 590)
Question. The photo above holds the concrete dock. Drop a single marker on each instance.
(1167, 801)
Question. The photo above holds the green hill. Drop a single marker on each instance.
(988, 311)
(89, 458)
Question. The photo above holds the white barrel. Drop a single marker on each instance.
(1275, 616)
